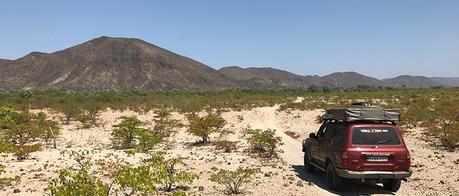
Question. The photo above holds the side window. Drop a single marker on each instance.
(340, 136)
(330, 132)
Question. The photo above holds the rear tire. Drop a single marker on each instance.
(333, 181)
(392, 185)
(307, 164)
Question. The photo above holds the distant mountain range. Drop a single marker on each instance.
(108, 63)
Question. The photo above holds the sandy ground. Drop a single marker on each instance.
(435, 171)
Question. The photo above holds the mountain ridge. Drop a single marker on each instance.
(116, 63)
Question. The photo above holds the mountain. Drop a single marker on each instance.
(265, 77)
(450, 81)
(349, 80)
(110, 63)
(412, 82)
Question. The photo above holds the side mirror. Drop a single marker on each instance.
(312, 135)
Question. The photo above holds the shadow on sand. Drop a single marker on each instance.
(349, 187)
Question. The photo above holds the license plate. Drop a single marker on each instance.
(377, 158)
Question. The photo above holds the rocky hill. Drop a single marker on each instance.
(110, 63)
(126, 64)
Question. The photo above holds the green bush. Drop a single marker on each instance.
(264, 142)
(77, 183)
(129, 134)
(156, 170)
(205, 126)
(236, 181)
(226, 146)
(164, 124)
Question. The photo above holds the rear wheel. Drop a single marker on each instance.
(392, 184)
(307, 164)
(333, 180)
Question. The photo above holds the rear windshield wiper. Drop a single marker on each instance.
(381, 142)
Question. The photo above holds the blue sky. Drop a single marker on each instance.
(381, 38)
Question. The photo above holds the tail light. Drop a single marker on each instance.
(408, 158)
(345, 159)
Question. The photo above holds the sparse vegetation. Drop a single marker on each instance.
(226, 146)
(164, 124)
(19, 131)
(236, 181)
(4, 181)
(264, 142)
(203, 127)
(129, 134)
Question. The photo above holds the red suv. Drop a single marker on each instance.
(362, 143)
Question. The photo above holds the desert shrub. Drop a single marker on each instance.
(226, 146)
(48, 128)
(264, 142)
(69, 108)
(79, 181)
(205, 126)
(4, 181)
(18, 131)
(144, 178)
(138, 179)
(236, 181)
(129, 134)
(167, 173)
(164, 124)
(70, 182)
(22, 152)
(319, 119)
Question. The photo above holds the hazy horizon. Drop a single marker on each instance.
(379, 39)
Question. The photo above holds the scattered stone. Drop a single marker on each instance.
(442, 182)
(291, 178)
(213, 168)
(299, 183)
(16, 191)
(200, 188)
(267, 175)
(286, 184)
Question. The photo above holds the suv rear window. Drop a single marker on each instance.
(375, 135)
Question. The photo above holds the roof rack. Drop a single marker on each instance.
(363, 112)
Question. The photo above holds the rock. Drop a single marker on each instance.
(267, 175)
(200, 188)
(286, 184)
(213, 168)
(310, 184)
(291, 178)
(299, 183)
(16, 191)
(442, 182)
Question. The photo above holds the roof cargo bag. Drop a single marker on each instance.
(363, 113)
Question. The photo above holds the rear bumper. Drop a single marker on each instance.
(373, 174)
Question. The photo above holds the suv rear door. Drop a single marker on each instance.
(376, 147)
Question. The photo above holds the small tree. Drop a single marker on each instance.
(70, 109)
(48, 128)
(78, 182)
(167, 173)
(164, 124)
(19, 129)
(129, 131)
(236, 181)
(204, 126)
(264, 142)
